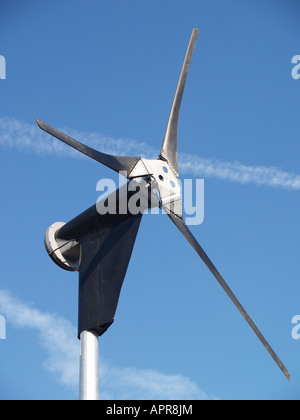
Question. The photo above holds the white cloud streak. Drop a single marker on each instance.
(28, 137)
(57, 336)
(237, 172)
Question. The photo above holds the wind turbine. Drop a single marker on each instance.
(99, 246)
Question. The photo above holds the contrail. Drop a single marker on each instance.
(16, 134)
(240, 173)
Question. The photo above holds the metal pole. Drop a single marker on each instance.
(89, 366)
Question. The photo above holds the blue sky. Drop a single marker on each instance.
(106, 72)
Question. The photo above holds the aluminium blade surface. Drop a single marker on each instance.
(180, 224)
(169, 147)
(117, 163)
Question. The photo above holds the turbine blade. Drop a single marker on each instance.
(193, 242)
(169, 147)
(117, 163)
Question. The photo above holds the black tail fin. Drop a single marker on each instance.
(104, 262)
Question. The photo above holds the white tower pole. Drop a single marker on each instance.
(89, 366)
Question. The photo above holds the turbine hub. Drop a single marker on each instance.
(164, 180)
